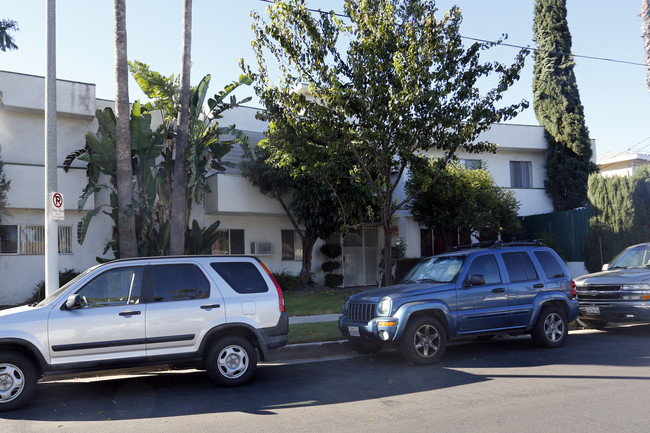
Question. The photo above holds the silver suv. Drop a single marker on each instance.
(618, 294)
(215, 313)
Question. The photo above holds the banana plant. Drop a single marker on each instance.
(152, 157)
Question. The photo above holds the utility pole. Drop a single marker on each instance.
(51, 226)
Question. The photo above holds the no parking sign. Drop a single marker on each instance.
(56, 206)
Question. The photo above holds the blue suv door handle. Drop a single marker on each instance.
(499, 290)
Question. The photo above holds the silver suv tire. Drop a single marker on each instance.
(18, 378)
(231, 361)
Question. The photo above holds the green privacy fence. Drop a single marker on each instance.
(565, 231)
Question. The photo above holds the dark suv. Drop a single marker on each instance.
(220, 314)
(506, 288)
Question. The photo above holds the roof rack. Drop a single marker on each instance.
(500, 244)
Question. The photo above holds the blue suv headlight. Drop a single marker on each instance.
(385, 306)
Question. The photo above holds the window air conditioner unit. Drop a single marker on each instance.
(261, 248)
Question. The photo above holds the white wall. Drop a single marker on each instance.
(19, 274)
(22, 141)
(233, 194)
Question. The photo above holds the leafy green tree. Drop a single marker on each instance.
(6, 39)
(621, 215)
(205, 147)
(558, 108)
(392, 77)
(317, 203)
(4, 188)
(461, 200)
(100, 154)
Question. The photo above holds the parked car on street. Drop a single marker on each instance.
(220, 314)
(510, 288)
(618, 294)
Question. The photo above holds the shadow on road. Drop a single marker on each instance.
(276, 387)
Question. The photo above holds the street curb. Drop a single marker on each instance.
(322, 349)
(325, 349)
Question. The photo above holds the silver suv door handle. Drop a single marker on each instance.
(130, 313)
(210, 306)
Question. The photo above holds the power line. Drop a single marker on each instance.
(604, 59)
(557, 52)
(628, 150)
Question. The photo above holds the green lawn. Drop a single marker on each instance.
(310, 303)
(313, 332)
(305, 303)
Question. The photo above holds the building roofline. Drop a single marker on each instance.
(41, 76)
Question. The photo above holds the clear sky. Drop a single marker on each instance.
(616, 101)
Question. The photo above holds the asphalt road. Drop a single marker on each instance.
(598, 382)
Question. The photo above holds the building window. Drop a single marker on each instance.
(8, 239)
(65, 240)
(472, 164)
(291, 245)
(32, 240)
(230, 242)
(521, 174)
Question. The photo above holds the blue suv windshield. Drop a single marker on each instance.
(435, 270)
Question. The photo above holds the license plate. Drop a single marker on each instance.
(354, 331)
(592, 310)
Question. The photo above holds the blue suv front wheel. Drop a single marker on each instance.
(424, 341)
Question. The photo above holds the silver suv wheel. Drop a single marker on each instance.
(12, 382)
(231, 360)
(17, 380)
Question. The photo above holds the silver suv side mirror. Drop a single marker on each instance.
(73, 302)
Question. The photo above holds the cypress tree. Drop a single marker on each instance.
(620, 218)
(558, 108)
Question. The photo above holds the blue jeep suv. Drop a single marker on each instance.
(470, 292)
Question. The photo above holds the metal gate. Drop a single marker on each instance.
(353, 260)
(361, 257)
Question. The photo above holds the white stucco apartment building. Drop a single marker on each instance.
(255, 224)
(621, 164)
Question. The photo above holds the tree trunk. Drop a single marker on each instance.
(645, 30)
(307, 255)
(124, 174)
(179, 190)
(388, 256)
